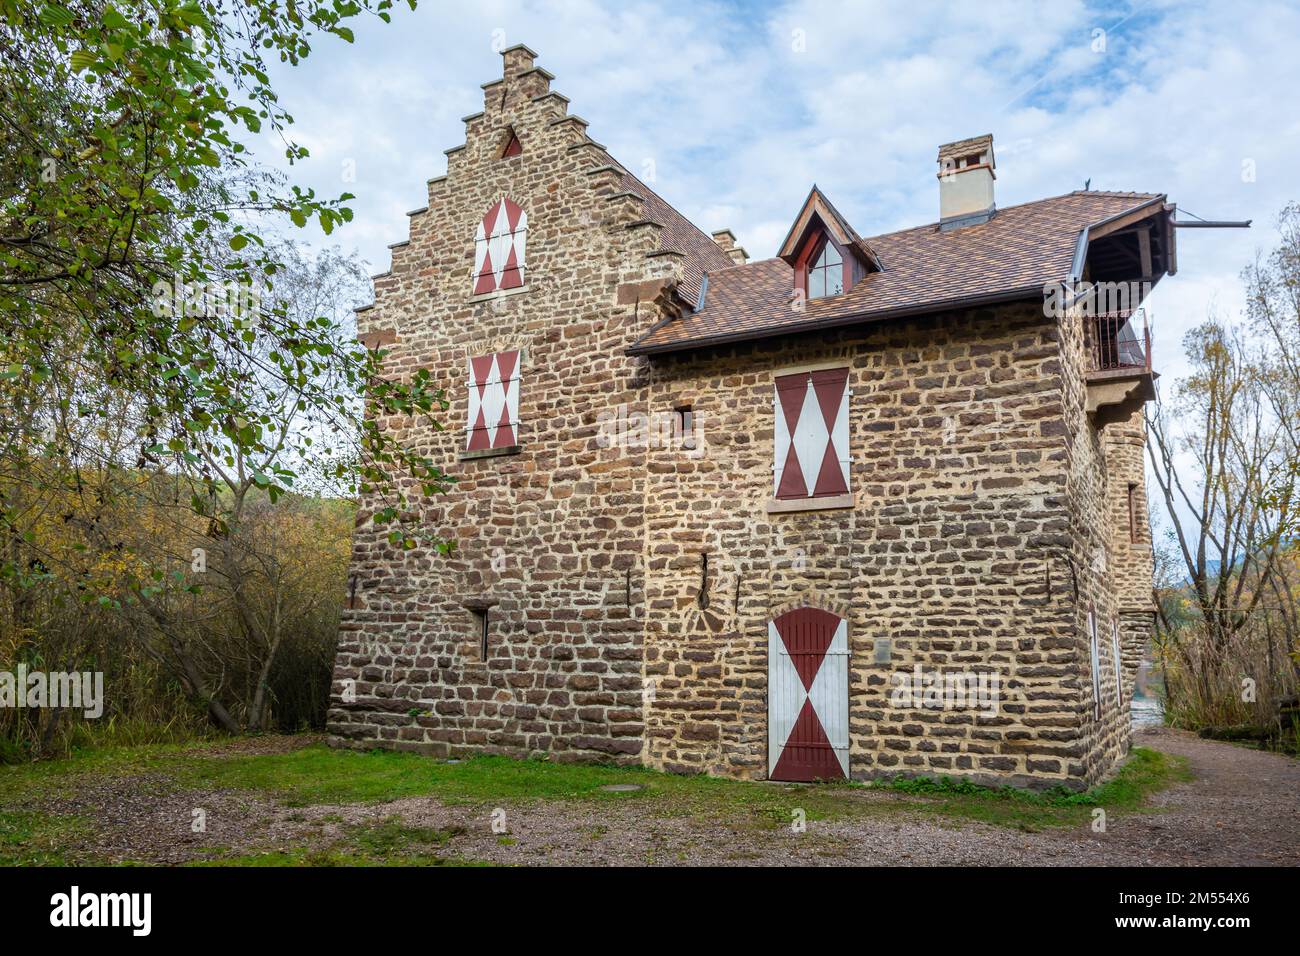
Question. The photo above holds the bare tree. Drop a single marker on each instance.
(1222, 466)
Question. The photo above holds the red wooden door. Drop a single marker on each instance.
(808, 696)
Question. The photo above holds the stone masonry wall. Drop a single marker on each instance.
(1125, 452)
(962, 476)
(1102, 726)
(553, 534)
(978, 541)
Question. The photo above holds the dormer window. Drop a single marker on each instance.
(826, 274)
(825, 255)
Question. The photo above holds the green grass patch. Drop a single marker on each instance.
(392, 836)
(317, 775)
(329, 857)
(389, 842)
(1144, 773)
(30, 838)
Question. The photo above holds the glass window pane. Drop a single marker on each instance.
(816, 283)
(835, 280)
(830, 256)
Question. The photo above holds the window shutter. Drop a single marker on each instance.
(499, 247)
(492, 419)
(811, 434)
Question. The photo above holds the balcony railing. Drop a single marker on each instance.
(1114, 344)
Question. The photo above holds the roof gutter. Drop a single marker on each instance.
(1033, 292)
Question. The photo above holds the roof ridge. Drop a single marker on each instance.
(1100, 193)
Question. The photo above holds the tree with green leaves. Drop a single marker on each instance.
(144, 327)
(121, 159)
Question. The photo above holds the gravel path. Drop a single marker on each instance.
(1243, 807)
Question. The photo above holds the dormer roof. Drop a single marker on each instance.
(817, 213)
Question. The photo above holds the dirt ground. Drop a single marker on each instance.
(1241, 808)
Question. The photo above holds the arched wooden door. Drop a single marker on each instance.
(807, 696)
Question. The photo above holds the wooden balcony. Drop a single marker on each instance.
(1120, 377)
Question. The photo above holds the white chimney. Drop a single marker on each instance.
(966, 182)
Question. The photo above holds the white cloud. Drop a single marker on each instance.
(739, 123)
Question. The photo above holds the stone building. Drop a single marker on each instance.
(872, 506)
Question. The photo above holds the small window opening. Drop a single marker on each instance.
(684, 426)
(1132, 513)
(481, 625)
(513, 147)
(703, 597)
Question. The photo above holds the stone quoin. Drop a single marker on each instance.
(894, 461)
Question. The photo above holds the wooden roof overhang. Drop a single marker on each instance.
(1135, 245)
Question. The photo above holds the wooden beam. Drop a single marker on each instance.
(1120, 222)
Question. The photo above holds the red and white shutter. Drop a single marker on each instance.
(493, 418)
(499, 246)
(808, 696)
(811, 434)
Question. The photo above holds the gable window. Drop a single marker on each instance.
(499, 247)
(826, 273)
(826, 257)
(513, 147)
(492, 420)
(811, 432)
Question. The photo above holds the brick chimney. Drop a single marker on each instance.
(726, 241)
(966, 182)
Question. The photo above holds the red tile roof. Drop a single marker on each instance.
(1013, 255)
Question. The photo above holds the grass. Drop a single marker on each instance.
(329, 857)
(32, 838)
(319, 775)
(390, 842)
(315, 775)
(1146, 772)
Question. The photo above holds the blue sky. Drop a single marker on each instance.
(738, 108)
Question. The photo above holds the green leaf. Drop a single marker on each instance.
(114, 20)
(56, 16)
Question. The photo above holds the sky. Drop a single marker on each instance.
(733, 110)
